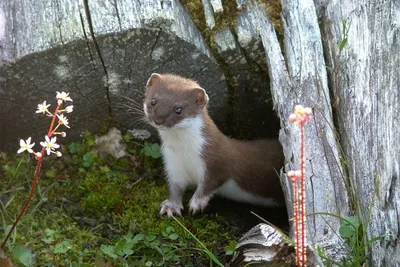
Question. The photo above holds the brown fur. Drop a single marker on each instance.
(252, 164)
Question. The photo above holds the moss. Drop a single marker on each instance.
(85, 206)
(227, 19)
(273, 8)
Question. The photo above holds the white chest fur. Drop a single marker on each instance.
(181, 150)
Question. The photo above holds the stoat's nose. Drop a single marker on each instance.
(158, 121)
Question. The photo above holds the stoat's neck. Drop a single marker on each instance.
(188, 134)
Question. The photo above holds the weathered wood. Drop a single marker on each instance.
(94, 52)
(263, 246)
(365, 81)
(299, 77)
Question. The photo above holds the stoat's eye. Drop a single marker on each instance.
(153, 102)
(178, 110)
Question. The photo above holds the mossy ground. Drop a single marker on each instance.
(86, 205)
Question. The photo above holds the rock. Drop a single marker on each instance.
(102, 54)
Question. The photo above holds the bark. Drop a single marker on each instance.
(364, 81)
(299, 77)
(264, 246)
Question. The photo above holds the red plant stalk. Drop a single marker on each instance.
(35, 179)
(300, 117)
(302, 211)
(295, 217)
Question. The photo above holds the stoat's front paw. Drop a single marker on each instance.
(171, 208)
(198, 203)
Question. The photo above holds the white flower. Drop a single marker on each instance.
(38, 154)
(58, 153)
(63, 96)
(50, 144)
(69, 109)
(63, 120)
(25, 145)
(63, 134)
(42, 108)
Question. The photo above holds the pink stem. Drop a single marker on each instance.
(303, 196)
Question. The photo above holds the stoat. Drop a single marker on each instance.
(196, 153)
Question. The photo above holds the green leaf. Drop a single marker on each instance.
(152, 150)
(75, 148)
(148, 264)
(230, 248)
(88, 158)
(342, 44)
(119, 246)
(109, 251)
(170, 230)
(173, 236)
(137, 238)
(23, 254)
(349, 227)
(62, 248)
(127, 251)
(150, 238)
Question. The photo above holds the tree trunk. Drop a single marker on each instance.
(364, 80)
(300, 77)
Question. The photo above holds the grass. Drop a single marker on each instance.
(92, 210)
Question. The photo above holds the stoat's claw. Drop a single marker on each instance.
(171, 208)
(198, 204)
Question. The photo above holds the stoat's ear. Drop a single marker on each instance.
(201, 97)
(154, 78)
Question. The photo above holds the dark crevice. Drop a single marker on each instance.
(130, 72)
(87, 40)
(200, 70)
(312, 193)
(334, 75)
(98, 50)
(391, 191)
(117, 13)
(58, 21)
(155, 43)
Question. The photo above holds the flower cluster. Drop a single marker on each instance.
(50, 145)
(294, 175)
(301, 115)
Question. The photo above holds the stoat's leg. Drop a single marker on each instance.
(173, 205)
(202, 196)
(198, 202)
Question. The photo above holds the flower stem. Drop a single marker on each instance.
(35, 179)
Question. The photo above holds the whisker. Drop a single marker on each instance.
(130, 100)
(141, 123)
(128, 107)
(122, 96)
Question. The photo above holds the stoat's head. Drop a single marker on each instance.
(173, 102)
